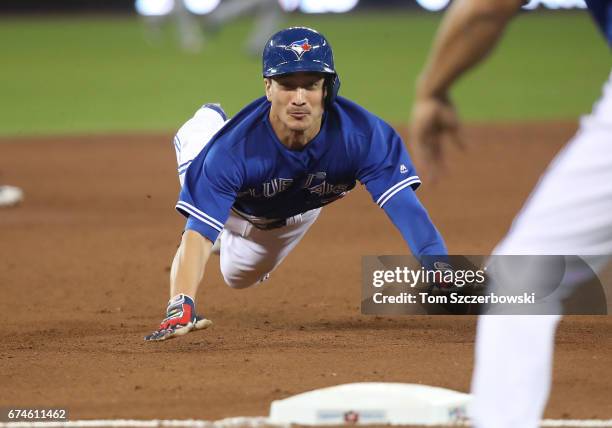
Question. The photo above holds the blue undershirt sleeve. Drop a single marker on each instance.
(410, 217)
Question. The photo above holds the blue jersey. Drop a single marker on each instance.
(247, 169)
(602, 13)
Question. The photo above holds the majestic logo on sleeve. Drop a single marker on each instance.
(299, 47)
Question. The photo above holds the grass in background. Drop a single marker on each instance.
(85, 74)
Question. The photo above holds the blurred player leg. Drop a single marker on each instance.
(190, 36)
(153, 28)
(229, 10)
(568, 213)
(267, 21)
(512, 370)
(268, 14)
(249, 254)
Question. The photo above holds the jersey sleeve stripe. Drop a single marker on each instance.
(181, 169)
(177, 144)
(185, 164)
(401, 183)
(200, 215)
(196, 215)
(397, 189)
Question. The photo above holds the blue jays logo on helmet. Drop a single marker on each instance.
(300, 49)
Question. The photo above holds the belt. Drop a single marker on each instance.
(271, 225)
(263, 223)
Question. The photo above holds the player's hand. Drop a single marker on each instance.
(180, 319)
(434, 121)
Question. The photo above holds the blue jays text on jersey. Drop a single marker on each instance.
(247, 169)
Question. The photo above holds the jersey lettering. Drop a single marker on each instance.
(268, 189)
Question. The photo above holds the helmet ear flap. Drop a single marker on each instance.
(332, 86)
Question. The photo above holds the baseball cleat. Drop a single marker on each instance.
(10, 195)
(180, 319)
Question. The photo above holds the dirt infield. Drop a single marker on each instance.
(85, 260)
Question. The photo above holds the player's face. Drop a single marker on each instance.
(297, 100)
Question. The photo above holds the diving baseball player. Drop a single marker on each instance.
(258, 181)
(568, 213)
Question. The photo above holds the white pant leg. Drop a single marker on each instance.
(513, 368)
(569, 212)
(248, 254)
(193, 136)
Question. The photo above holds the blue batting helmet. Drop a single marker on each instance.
(298, 49)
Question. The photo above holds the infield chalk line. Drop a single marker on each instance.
(247, 422)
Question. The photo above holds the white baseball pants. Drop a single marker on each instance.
(247, 254)
(569, 212)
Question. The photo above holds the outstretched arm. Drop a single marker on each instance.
(468, 33)
(189, 263)
(411, 219)
(185, 277)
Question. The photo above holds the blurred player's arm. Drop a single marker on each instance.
(468, 33)
(189, 263)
